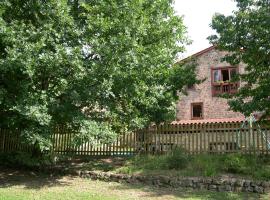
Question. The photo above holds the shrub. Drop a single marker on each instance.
(152, 162)
(235, 163)
(262, 174)
(206, 165)
(24, 160)
(177, 159)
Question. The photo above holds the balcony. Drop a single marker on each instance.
(224, 88)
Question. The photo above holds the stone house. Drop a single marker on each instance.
(202, 101)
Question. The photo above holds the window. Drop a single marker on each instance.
(225, 74)
(222, 80)
(197, 111)
(217, 75)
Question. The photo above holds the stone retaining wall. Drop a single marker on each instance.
(214, 184)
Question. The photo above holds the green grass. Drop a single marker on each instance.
(179, 164)
(29, 187)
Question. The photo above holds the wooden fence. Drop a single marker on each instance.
(11, 141)
(194, 138)
(63, 143)
(205, 138)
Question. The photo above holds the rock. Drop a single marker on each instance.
(196, 180)
(195, 185)
(221, 188)
(212, 187)
(88, 176)
(239, 183)
(156, 182)
(238, 189)
(187, 183)
(76, 172)
(208, 181)
(265, 184)
(266, 190)
(253, 184)
(217, 181)
(221, 184)
(247, 189)
(247, 183)
(232, 182)
(165, 180)
(226, 182)
(131, 180)
(228, 188)
(141, 178)
(259, 189)
(148, 181)
(201, 186)
(175, 183)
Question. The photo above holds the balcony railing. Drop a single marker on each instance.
(224, 88)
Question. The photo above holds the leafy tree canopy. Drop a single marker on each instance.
(246, 36)
(97, 66)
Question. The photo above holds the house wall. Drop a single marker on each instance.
(213, 107)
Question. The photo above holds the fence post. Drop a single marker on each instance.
(267, 138)
(2, 136)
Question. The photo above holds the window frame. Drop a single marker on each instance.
(222, 83)
(191, 110)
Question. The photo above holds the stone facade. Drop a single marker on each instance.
(213, 107)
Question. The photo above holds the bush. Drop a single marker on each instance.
(24, 160)
(177, 159)
(235, 163)
(151, 162)
(206, 165)
(262, 174)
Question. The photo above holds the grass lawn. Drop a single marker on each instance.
(17, 185)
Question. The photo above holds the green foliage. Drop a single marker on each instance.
(205, 165)
(97, 67)
(258, 167)
(263, 173)
(245, 35)
(179, 163)
(25, 160)
(177, 159)
(235, 163)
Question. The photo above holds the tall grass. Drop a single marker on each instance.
(180, 163)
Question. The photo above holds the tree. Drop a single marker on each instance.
(99, 67)
(245, 35)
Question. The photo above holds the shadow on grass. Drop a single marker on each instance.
(28, 179)
(95, 163)
(53, 177)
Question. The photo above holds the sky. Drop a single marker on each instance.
(197, 17)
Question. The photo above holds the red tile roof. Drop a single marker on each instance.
(207, 121)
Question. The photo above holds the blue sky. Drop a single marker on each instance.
(197, 17)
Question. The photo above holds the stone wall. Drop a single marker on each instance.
(214, 184)
(213, 107)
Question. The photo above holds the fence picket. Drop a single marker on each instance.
(267, 140)
(194, 138)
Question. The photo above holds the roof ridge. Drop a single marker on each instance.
(198, 53)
